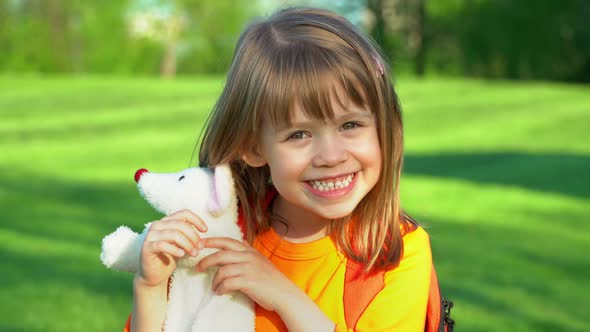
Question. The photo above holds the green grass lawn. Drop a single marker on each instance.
(496, 171)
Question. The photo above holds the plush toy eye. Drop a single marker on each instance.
(182, 177)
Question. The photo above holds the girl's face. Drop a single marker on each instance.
(322, 170)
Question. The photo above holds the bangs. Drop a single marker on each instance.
(312, 78)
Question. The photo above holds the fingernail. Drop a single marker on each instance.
(180, 252)
(200, 245)
(194, 252)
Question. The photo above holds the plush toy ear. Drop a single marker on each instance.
(222, 190)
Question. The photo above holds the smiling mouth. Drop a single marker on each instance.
(332, 184)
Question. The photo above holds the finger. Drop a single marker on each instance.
(225, 272)
(174, 236)
(163, 247)
(190, 217)
(231, 284)
(225, 243)
(180, 224)
(222, 258)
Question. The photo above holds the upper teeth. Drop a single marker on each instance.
(327, 185)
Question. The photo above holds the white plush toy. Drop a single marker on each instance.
(193, 306)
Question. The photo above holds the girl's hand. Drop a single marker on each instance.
(243, 268)
(167, 240)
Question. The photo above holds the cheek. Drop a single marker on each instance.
(286, 168)
(371, 151)
(277, 165)
(373, 160)
(284, 161)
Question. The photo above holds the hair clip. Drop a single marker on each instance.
(379, 66)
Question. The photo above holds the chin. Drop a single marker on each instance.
(335, 213)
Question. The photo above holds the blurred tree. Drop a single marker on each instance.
(213, 30)
(163, 22)
(97, 35)
(377, 25)
(399, 27)
(29, 21)
(419, 33)
(527, 39)
(61, 35)
(195, 35)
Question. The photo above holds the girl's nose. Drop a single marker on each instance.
(139, 173)
(330, 152)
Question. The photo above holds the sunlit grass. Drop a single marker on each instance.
(496, 171)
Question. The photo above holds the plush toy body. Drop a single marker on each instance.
(193, 306)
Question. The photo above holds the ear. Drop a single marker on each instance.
(222, 190)
(253, 158)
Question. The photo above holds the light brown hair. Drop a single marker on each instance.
(301, 55)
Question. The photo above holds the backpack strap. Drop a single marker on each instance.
(438, 314)
(360, 289)
(434, 316)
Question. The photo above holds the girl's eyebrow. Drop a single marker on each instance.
(355, 115)
(349, 115)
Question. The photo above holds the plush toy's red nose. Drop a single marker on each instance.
(139, 173)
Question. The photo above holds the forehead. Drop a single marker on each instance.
(324, 105)
(340, 105)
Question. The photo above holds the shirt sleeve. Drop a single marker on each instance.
(401, 305)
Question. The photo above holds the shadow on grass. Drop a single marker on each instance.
(43, 271)
(518, 280)
(9, 328)
(38, 208)
(81, 212)
(560, 173)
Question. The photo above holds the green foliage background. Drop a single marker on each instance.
(69, 36)
(527, 39)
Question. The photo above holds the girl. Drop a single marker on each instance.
(311, 126)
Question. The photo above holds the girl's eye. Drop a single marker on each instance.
(350, 125)
(297, 135)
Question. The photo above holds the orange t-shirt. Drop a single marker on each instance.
(318, 268)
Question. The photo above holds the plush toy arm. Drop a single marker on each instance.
(121, 249)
